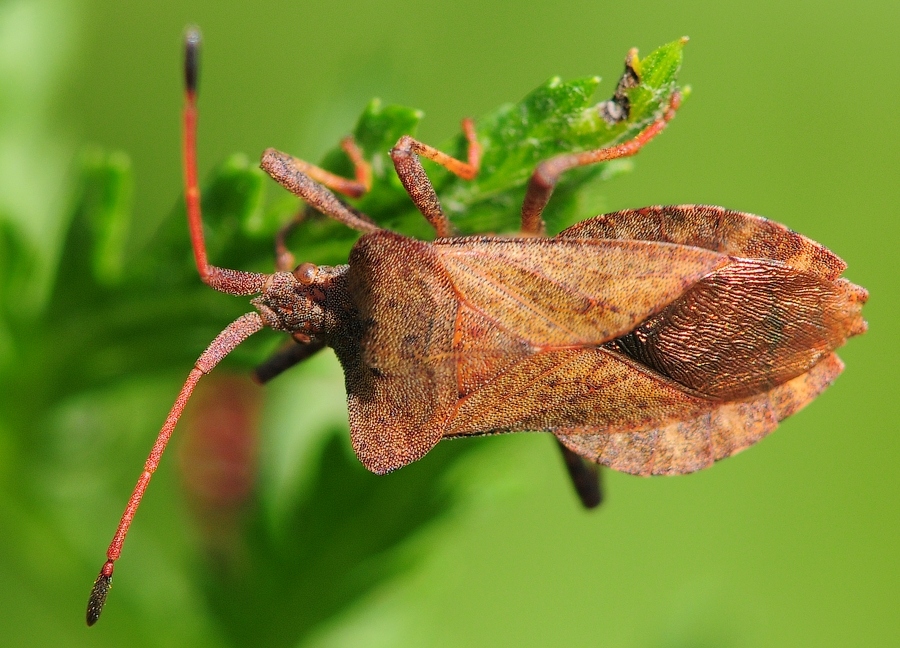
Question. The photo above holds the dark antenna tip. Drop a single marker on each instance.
(98, 593)
(191, 59)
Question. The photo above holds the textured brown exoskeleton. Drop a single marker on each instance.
(654, 341)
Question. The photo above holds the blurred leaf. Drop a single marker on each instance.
(101, 231)
(335, 547)
(18, 262)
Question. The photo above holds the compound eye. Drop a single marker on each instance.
(305, 273)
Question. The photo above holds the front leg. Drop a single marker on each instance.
(361, 170)
(304, 180)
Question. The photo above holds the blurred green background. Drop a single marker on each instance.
(794, 542)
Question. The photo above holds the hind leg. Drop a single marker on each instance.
(585, 477)
(546, 175)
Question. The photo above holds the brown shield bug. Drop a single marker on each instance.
(653, 341)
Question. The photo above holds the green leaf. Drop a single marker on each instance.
(557, 117)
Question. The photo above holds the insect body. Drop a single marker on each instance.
(654, 341)
(683, 354)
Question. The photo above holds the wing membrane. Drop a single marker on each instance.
(748, 327)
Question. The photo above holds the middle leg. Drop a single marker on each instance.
(405, 156)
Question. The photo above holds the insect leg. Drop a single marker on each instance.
(284, 258)
(405, 156)
(225, 342)
(352, 188)
(585, 477)
(547, 173)
(285, 358)
(292, 174)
